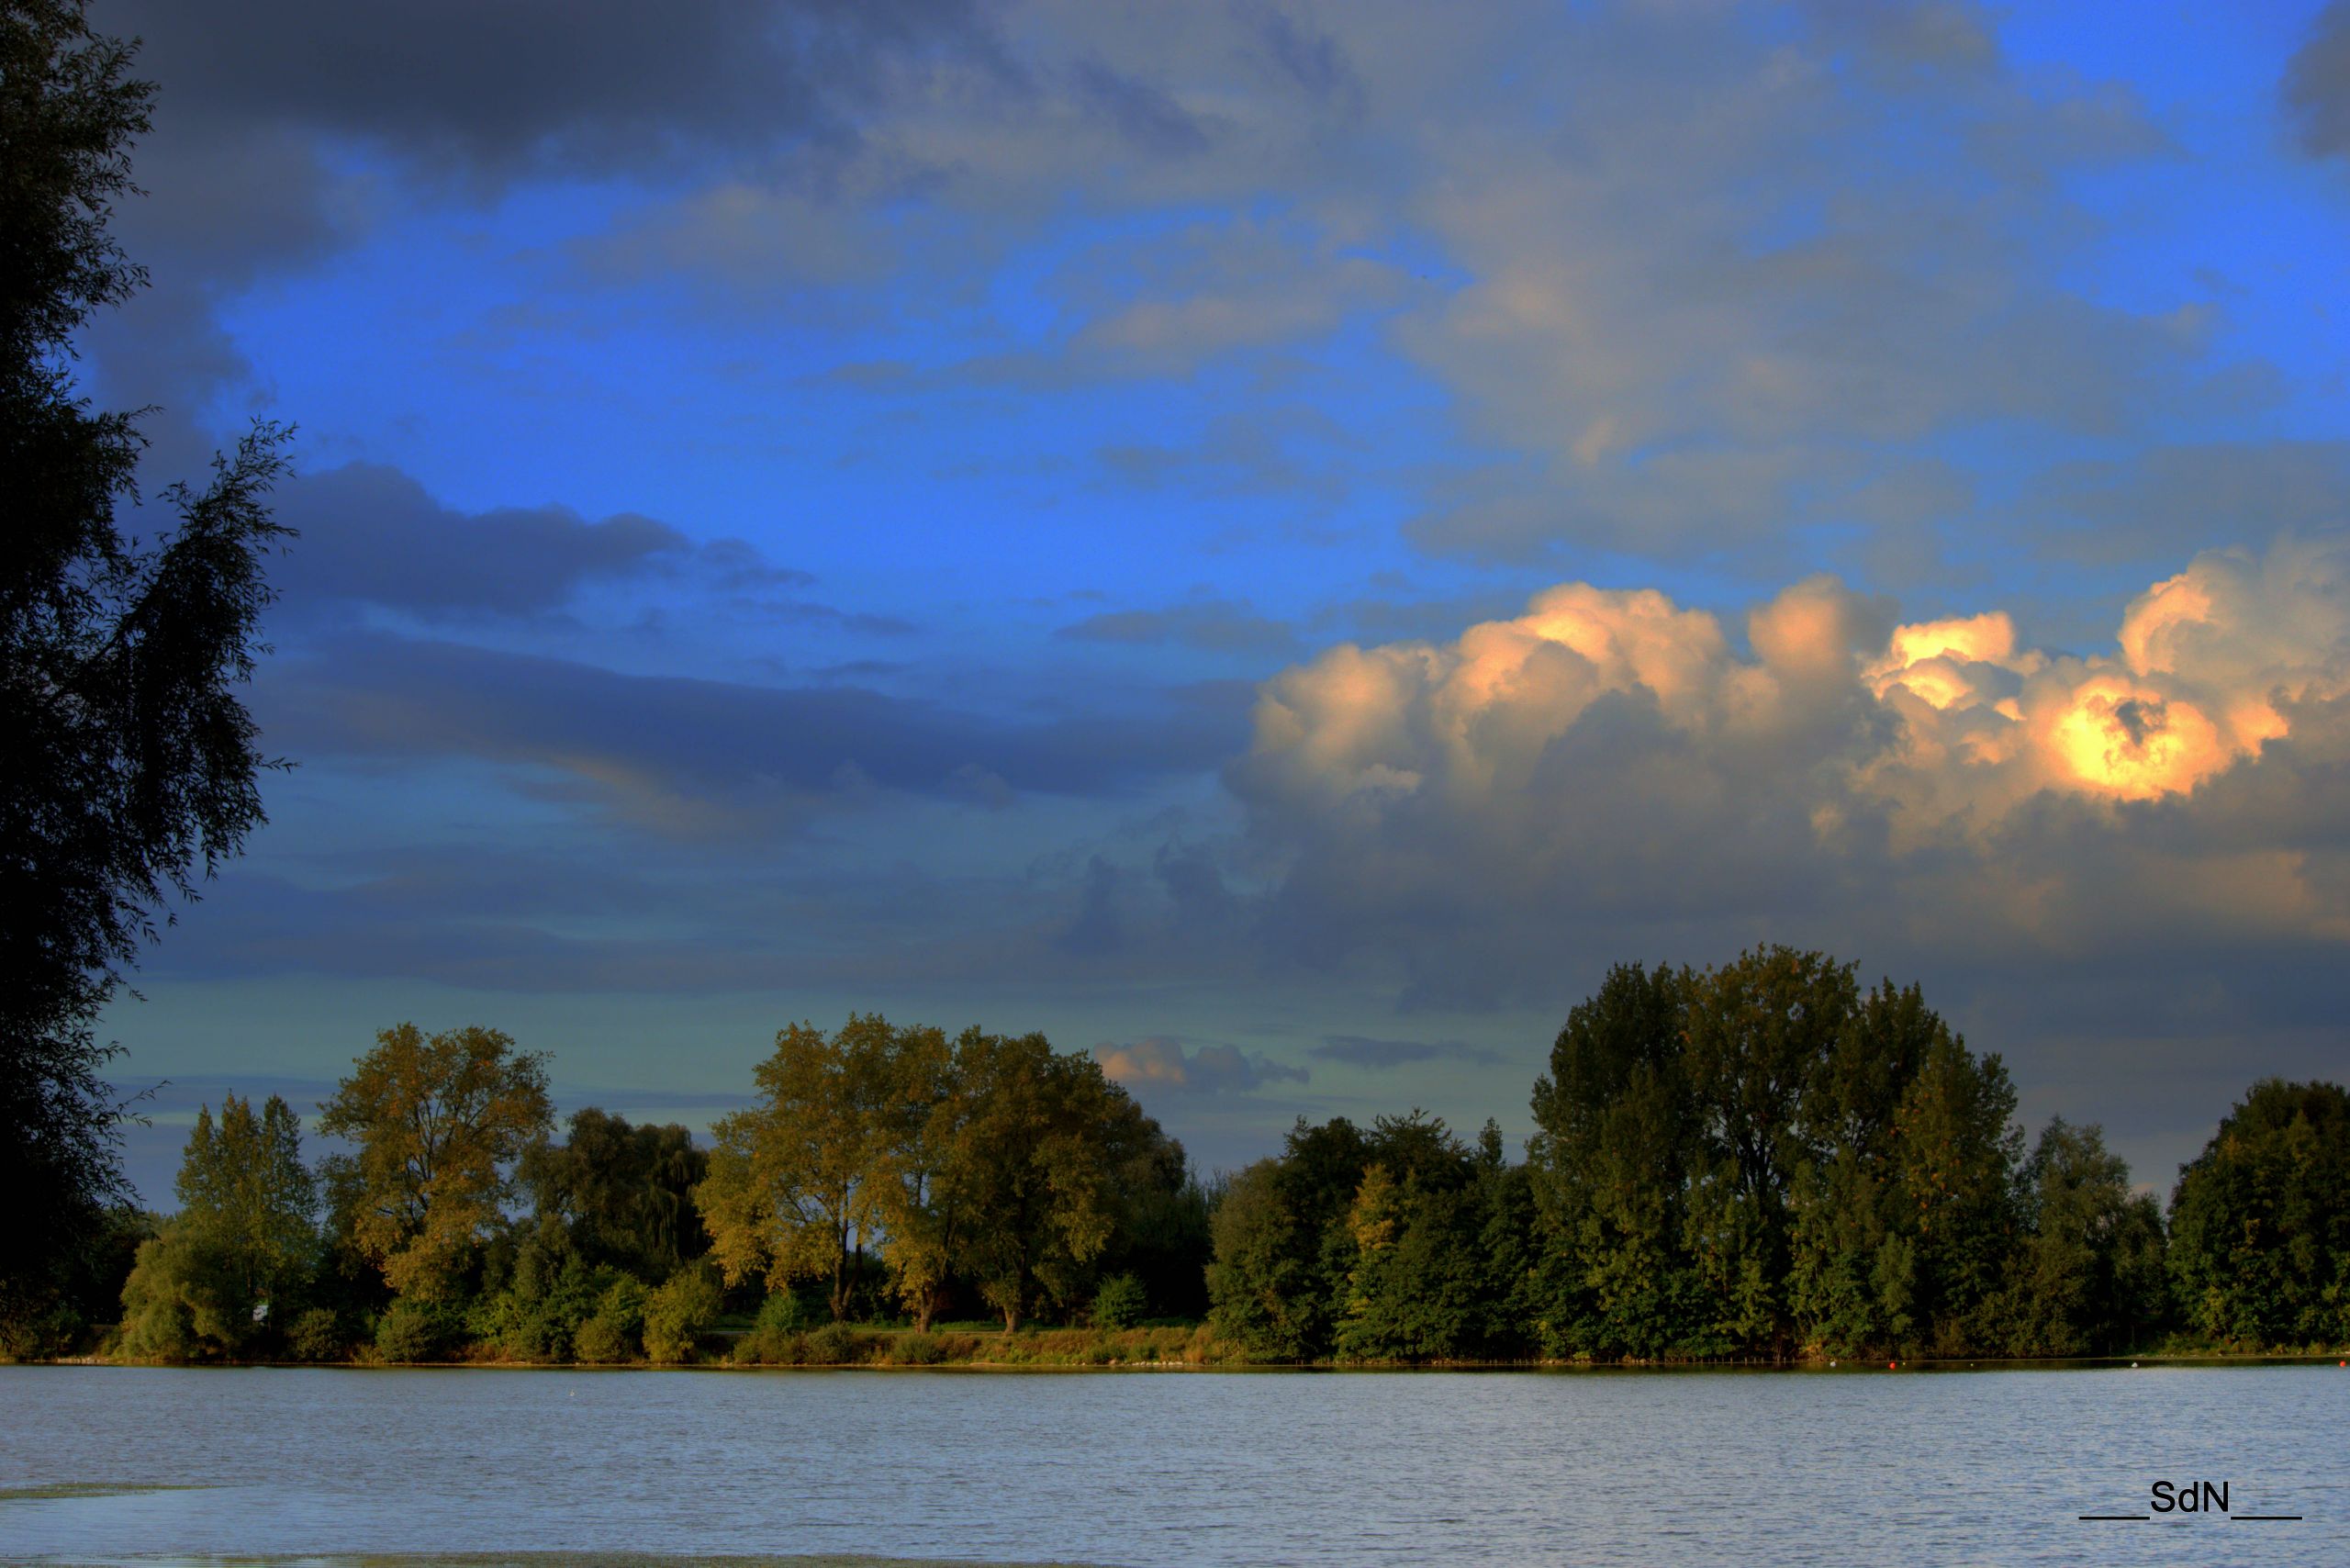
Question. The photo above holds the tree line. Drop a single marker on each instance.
(884, 1172)
(1761, 1161)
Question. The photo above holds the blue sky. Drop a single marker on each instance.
(1027, 515)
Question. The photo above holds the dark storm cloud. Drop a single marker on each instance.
(371, 532)
(2317, 85)
(668, 750)
(581, 84)
(1367, 1051)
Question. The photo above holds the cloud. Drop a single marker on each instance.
(1210, 624)
(1163, 1064)
(2317, 85)
(581, 85)
(696, 756)
(2105, 510)
(371, 532)
(1611, 766)
(1378, 1054)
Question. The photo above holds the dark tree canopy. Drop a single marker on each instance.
(2260, 1222)
(624, 1193)
(130, 766)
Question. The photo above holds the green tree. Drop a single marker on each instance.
(676, 1315)
(224, 1272)
(1277, 1281)
(799, 1186)
(1042, 1143)
(438, 1124)
(186, 1299)
(924, 1214)
(2088, 1278)
(131, 763)
(1956, 1149)
(1410, 1248)
(2260, 1221)
(243, 1186)
(622, 1193)
(1262, 1276)
(1617, 1139)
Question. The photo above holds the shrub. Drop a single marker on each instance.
(1119, 1303)
(917, 1350)
(417, 1331)
(184, 1301)
(678, 1312)
(616, 1333)
(838, 1345)
(318, 1335)
(538, 1315)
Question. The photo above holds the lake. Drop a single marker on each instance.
(1862, 1467)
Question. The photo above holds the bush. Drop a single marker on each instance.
(838, 1345)
(1119, 1303)
(917, 1350)
(417, 1331)
(318, 1335)
(616, 1333)
(538, 1315)
(183, 1302)
(774, 1334)
(678, 1312)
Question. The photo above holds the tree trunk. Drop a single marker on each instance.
(1011, 1320)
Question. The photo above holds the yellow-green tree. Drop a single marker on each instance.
(438, 1122)
(800, 1185)
(243, 1186)
(1032, 1166)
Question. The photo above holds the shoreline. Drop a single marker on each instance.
(1841, 1366)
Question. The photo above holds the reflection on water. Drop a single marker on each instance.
(104, 1464)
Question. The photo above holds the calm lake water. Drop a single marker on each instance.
(1552, 1468)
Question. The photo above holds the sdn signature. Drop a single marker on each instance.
(2181, 1498)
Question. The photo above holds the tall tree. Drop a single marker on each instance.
(2260, 1221)
(622, 1193)
(2087, 1277)
(244, 1184)
(440, 1123)
(130, 769)
(1615, 1141)
(221, 1273)
(800, 1184)
(1039, 1142)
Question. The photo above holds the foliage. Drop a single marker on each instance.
(317, 1334)
(187, 1299)
(2260, 1221)
(244, 1188)
(1118, 1303)
(678, 1313)
(414, 1329)
(838, 1345)
(616, 1331)
(1278, 1269)
(131, 763)
(1039, 1142)
(439, 1122)
(623, 1192)
(798, 1185)
(535, 1307)
(2088, 1276)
